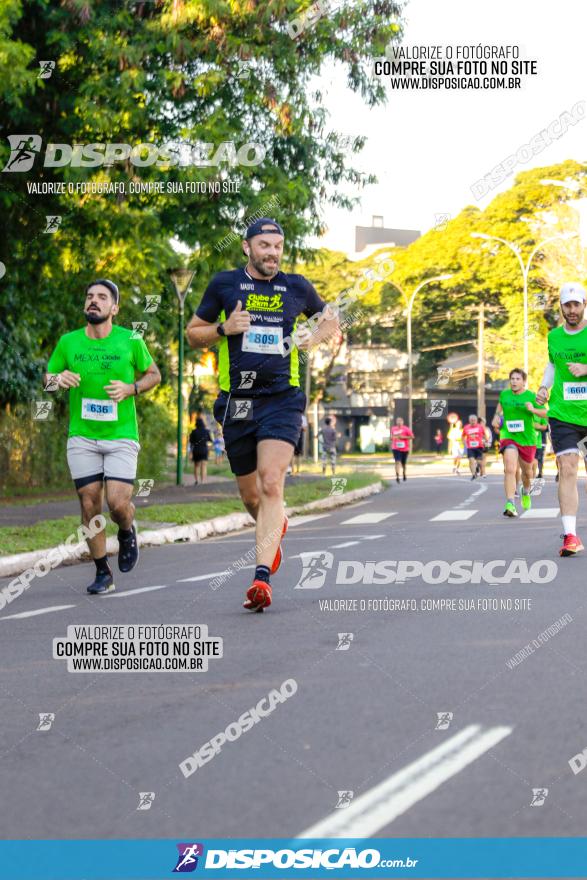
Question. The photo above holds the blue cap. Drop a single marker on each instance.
(264, 225)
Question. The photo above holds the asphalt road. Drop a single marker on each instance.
(364, 717)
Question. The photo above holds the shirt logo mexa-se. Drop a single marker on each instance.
(260, 302)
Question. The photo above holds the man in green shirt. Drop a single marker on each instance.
(566, 375)
(104, 367)
(514, 419)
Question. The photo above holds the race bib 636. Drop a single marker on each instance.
(99, 410)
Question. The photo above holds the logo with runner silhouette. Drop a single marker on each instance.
(187, 860)
(247, 379)
(344, 799)
(46, 719)
(42, 410)
(436, 409)
(444, 719)
(241, 409)
(46, 69)
(146, 799)
(539, 795)
(53, 222)
(315, 565)
(24, 149)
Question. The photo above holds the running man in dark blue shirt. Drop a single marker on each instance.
(252, 313)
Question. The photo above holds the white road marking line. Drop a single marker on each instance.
(367, 518)
(541, 513)
(302, 520)
(469, 500)
(379, 806)
(37, 612)
(453, 514)
(211, 574)
(139, 590)
(373, 537)
(346, 544)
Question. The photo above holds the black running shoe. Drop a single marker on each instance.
(128, 550)
(103, 584)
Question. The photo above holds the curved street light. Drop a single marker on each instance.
(181, 279)
(409, 301)
(515, 249)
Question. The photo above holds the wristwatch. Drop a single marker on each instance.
(136, 390)
(220, 330)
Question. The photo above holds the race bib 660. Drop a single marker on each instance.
(575, 390)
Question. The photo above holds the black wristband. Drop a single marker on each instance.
(136, 390)
(220, 330)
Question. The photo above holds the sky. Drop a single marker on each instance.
(427, 148)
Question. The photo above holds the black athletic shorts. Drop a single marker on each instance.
(299, 447)
(566, 436)
(539, 454)
(246, 421)
(400, 455)
(475, 453)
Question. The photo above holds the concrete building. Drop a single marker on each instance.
(378, 234)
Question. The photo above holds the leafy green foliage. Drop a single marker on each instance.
(191, 71)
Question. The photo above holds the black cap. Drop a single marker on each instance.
(264, 225)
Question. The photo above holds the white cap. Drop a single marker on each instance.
(572, 291)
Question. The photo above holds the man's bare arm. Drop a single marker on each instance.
(149, 379)
(201, 333)
(317, 329)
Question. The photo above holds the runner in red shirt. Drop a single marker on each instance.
(474, 434)
(401, 436)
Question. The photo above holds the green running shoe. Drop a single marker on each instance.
(526, 500)
(510, 509)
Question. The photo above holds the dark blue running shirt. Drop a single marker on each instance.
(264, 360)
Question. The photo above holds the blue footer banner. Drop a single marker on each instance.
(283, 858)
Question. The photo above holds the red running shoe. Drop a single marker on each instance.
(258, 596)
(279, 555)
(571, 545)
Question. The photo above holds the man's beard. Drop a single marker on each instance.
(259, 266)
(94, 317)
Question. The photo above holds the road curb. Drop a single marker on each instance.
(188, 534)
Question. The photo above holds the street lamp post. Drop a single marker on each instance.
(515, 249)
(308, 391)
(409, 301)
(182, 279)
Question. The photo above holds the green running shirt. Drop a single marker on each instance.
(517, 420)
(98, 361)
(540, 434)
(568, 397)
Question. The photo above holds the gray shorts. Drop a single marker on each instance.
(93, 460)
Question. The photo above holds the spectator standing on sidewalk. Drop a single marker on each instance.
(199, 439)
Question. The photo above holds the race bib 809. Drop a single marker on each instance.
(263, 340)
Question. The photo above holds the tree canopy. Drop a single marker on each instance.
(188, 72)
